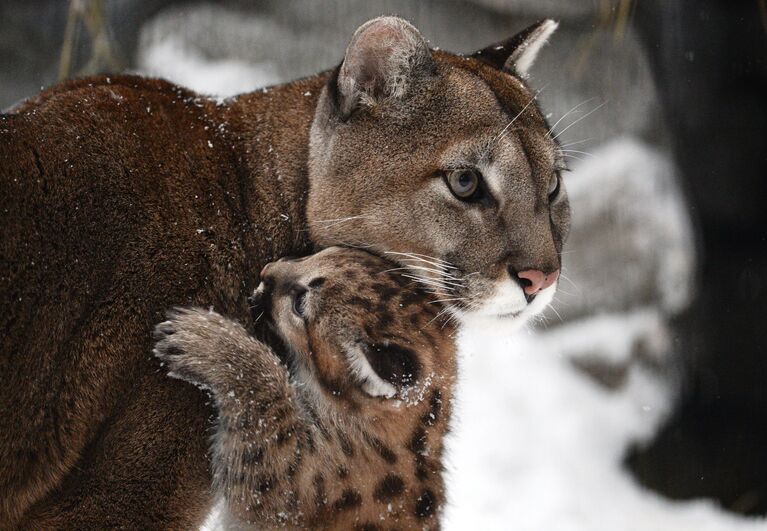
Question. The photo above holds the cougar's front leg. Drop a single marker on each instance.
(258, 443)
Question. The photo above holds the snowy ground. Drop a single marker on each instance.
(537, 442)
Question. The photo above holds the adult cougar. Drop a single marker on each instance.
(124, 196)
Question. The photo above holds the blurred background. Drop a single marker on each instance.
(640, 401)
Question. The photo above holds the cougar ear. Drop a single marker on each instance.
(383, 58)
(517, 54)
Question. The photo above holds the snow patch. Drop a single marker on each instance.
(537, 444)
(170, 59)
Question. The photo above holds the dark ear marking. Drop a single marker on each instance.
(333, 95)
(517, 53)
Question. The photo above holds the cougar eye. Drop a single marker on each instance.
(464, 183)
(299, 300)
(553, 190)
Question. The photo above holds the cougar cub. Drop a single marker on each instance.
(350, 436)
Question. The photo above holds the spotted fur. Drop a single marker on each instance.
(381, 461)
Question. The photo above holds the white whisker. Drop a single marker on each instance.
(576, 142)
(447, 300)
(565, 277)
(551, 130)
(503, 131)
(579, 119)
(576, 151)
(557, 313)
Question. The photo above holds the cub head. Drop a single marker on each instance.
(354, 325)
(445, 164)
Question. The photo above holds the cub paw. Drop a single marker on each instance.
(186, 343)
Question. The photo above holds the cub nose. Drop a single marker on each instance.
(534, 281)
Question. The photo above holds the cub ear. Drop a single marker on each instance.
(383, 58)
(517, 54)
(383, 368)
(364, 374)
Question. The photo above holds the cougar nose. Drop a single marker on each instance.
(534, 281)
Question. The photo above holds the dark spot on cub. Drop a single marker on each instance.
(310, 444)
(394, 363)
(435, 405)
(324, 430)
(389, 488)
(385, 291)
(317, 282)
(367, 526)
(285, 434)
(293, 467)
(381, 449)
(252, 457)
(343, 472)
(346, 445)
(425, 504)
(349, 499)
(357, 301)
(320, 498)
(412, 298)
(417, 443)
(384, 319)
(265, 484)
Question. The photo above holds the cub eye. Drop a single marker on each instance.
(299, 302)
(553, 190)
(464, 183)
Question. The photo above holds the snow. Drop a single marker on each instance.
(170, 59)
(537, 443)
(632, 242)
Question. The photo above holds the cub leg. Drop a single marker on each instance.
(261, 430)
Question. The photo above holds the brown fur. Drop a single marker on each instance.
(319, 451)
(121, 197)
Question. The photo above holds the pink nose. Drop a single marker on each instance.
(534, 280)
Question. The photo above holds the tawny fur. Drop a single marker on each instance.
(121, 197)
(316, 451)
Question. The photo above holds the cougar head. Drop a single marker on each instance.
(445, 164)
